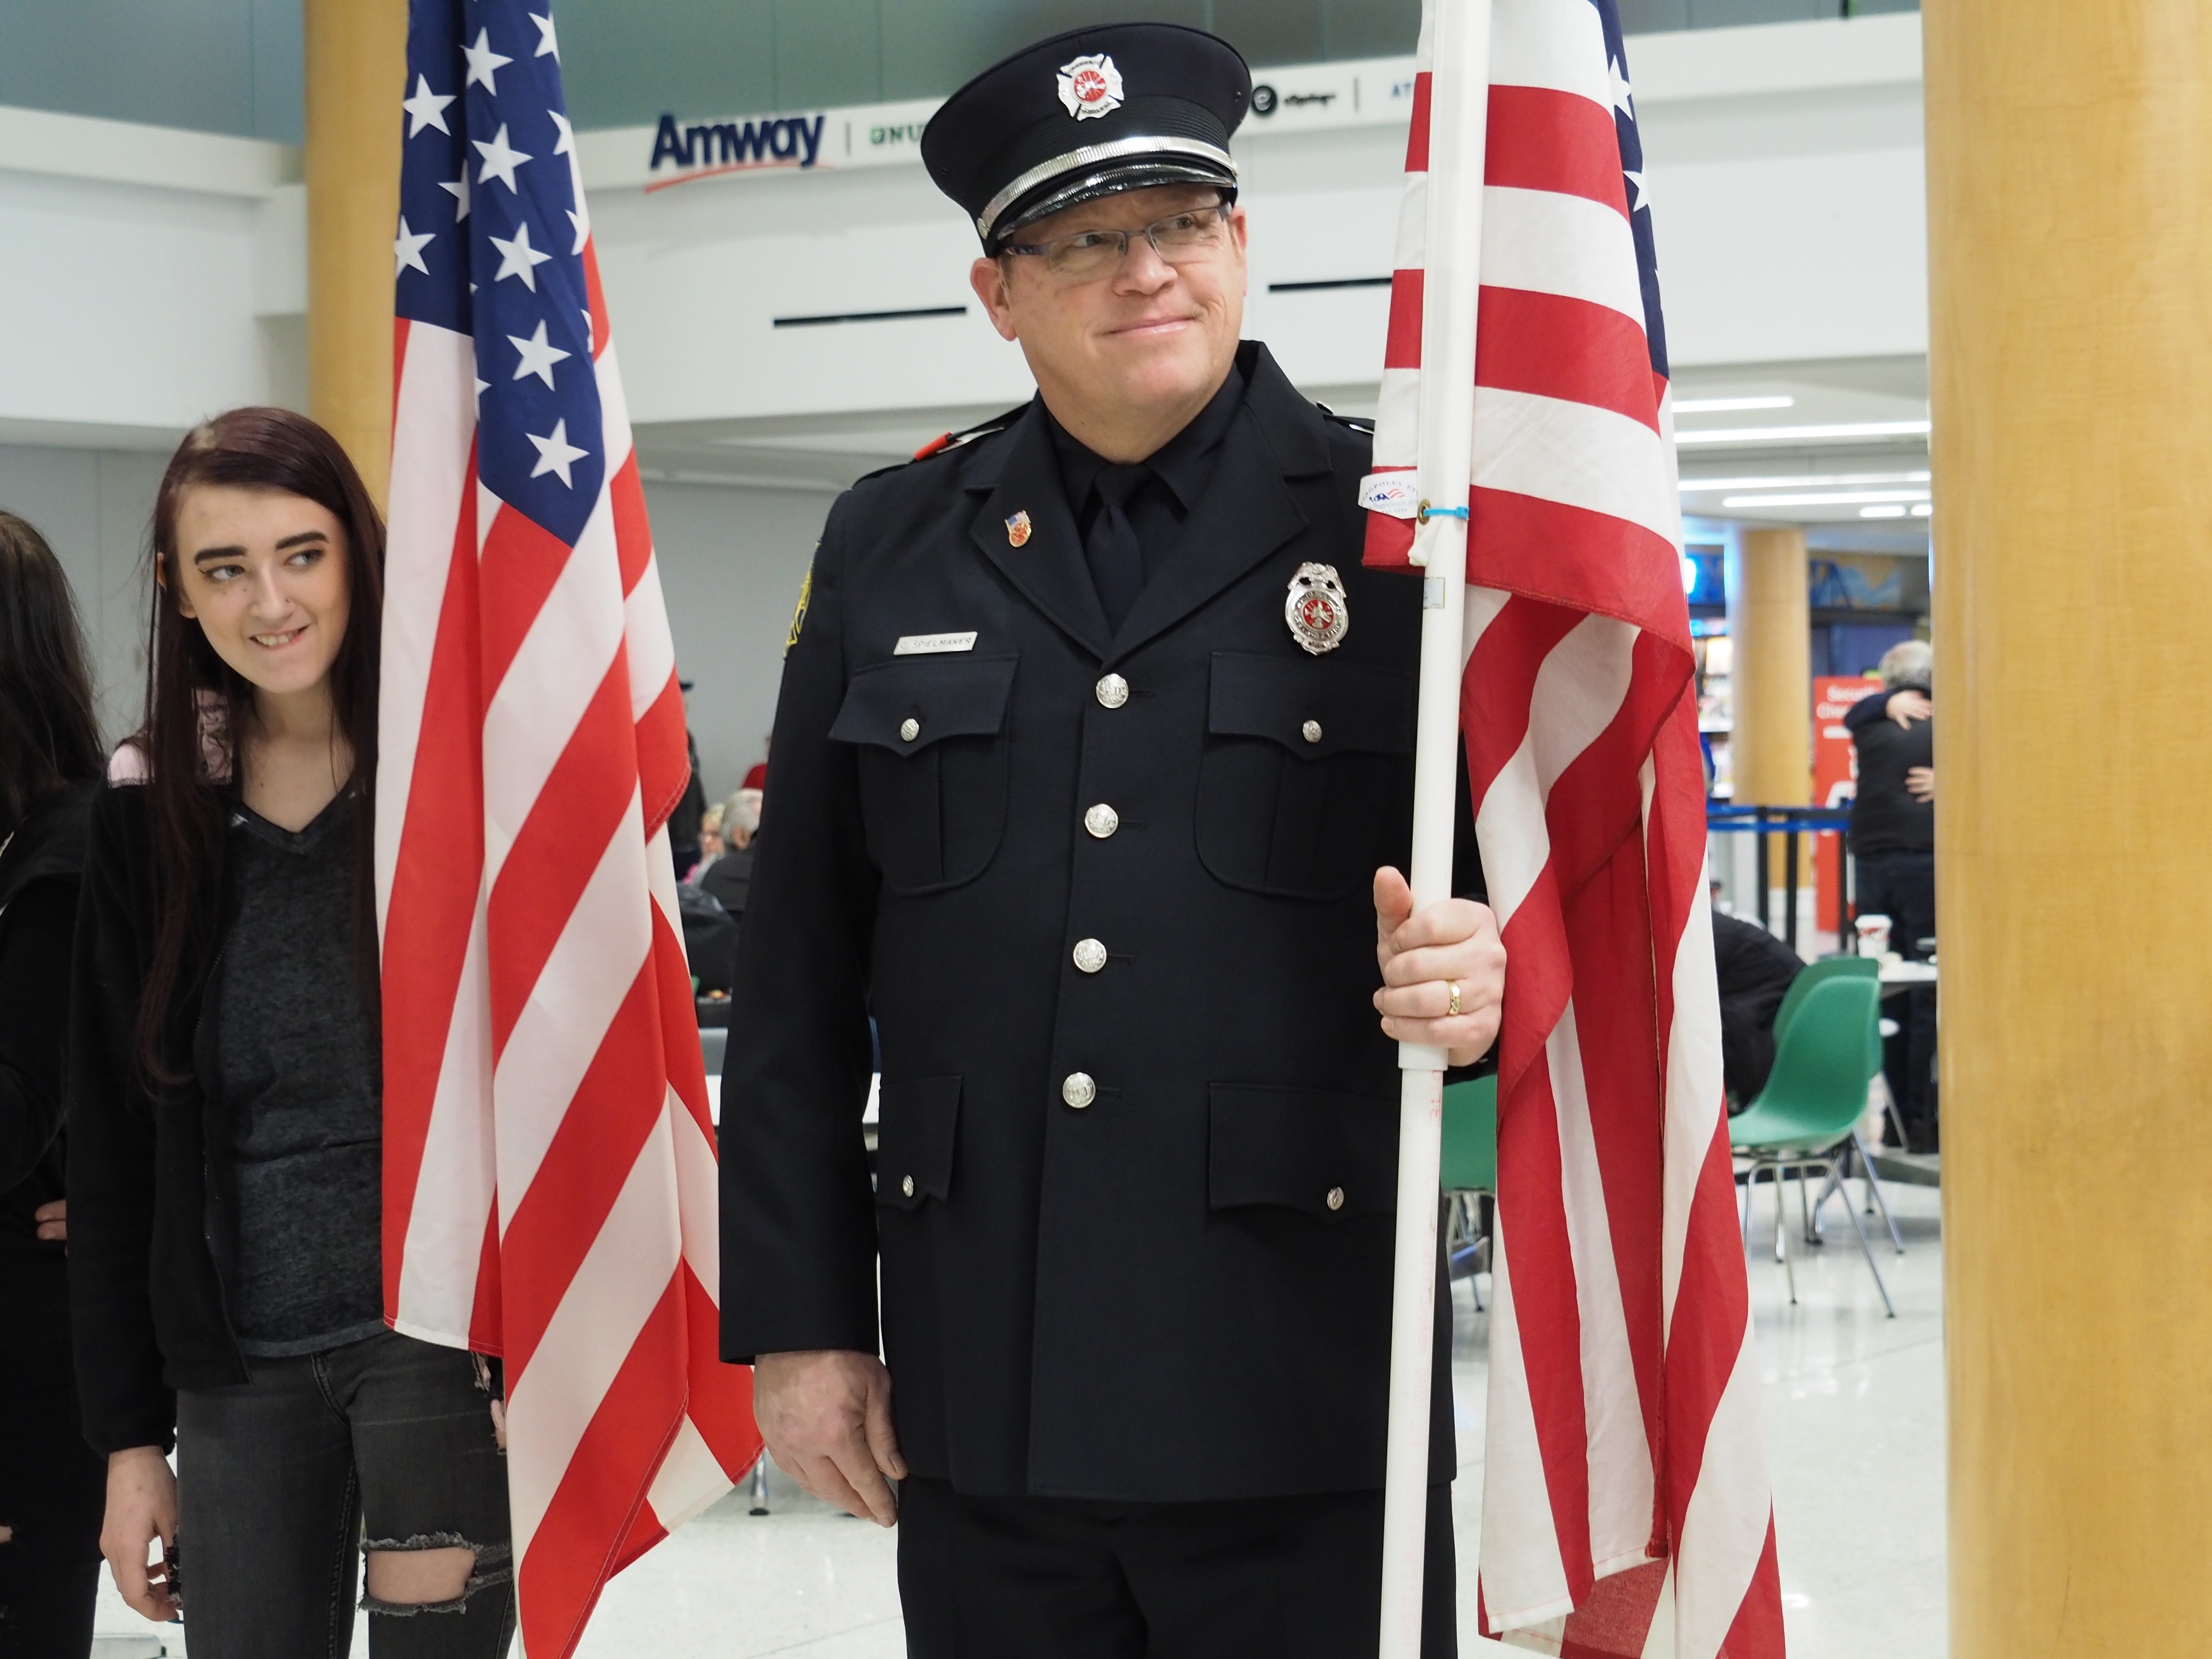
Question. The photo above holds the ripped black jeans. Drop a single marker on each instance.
(280, 1480)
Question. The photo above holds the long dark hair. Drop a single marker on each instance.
(196, 704)
(49, 735)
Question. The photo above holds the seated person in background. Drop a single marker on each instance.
(710, 842)
(1754, 970)
(1892, 839)
(730, 877)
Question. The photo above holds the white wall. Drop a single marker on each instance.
(730, 562)
(93, 508)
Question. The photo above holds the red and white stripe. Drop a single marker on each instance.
(550, 1185)
(1626, 1507)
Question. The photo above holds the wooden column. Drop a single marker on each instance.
(356, 70)
(2069, 153)
(1771, 748)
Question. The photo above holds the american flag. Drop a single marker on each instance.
(1626, 1504)
(550, 1180)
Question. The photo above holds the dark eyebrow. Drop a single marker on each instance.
(299, 540)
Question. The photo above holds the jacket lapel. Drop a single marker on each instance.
(1048, 569)
(1247, 512)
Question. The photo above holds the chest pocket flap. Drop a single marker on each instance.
(932, 761)
(1315, 708)
(961, 696)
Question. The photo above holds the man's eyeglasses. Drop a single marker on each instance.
(1180, 238)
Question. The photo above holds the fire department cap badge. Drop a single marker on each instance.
(1316, 610)
(1091, 86)
(1018, 529)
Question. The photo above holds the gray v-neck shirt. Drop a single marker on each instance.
(302, 1083)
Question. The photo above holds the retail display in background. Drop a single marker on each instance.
(1626, 1504)
(550, 1180)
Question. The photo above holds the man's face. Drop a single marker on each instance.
(1141, 335)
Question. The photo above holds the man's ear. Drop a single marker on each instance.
(989, 278)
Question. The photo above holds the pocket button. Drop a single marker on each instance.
(1078, 1090)
(1336, 1200)
(909, 729)
(907, 1186)
(1310, 731)
(1113, 691)
(1101, 821)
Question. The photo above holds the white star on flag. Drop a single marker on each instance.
(1635, 180)
(459, 190)
(555, 453)
(580, 216)
(482, 386)
(1624, 96)
(518, 259)
(425, 108)
(537, 356)
(499, 159)
(484, 63)
(407, 250)
(548, 46)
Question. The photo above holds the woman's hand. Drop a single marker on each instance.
(1907, 706)
(1450, 954)
(1920, 782)
(52, 1220)
(142, 1506)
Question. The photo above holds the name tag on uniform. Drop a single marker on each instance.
(931, 645)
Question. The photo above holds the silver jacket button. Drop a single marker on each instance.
(1090, 955)
(1336, 1197)
(1101, 821)
(1310, 731)
(1113, 691)
(1078, 1090)
(909, 729)
(907, 1186)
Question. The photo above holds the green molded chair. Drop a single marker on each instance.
(1469, 1170)
(1849, 967)
(1804, 1118)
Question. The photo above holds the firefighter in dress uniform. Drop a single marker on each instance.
(1093, 782)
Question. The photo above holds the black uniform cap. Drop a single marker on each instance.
(1086, 114)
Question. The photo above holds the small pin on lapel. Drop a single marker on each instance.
(1018, 529)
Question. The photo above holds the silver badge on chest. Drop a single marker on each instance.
(1315, 609)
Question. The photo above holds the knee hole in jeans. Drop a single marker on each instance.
(428, 1572)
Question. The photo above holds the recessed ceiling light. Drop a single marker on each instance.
(1729, 405)
(1825, 498)
(1810, 481)
(1777, 434)
(1881, 513)
(1926, 509)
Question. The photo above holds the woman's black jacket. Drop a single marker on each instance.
(39, 867)
(149, 1180)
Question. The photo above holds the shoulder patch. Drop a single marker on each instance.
(799, 616)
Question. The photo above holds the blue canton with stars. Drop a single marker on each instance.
(1631, 165)
(490, 244)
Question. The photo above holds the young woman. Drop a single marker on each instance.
(225, 1151)
(50, 1485)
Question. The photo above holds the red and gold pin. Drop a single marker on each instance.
(1018, 529)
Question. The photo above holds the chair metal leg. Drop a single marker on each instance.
(760, 1485)
(1750, 1188)
(1782, 1235)
(1867, 1251)
(1874, 1194)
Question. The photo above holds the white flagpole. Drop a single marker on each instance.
(1459, 94)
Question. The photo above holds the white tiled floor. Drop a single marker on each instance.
(1854, 1416)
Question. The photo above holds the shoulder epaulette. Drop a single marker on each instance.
(1356, 422)
(946, 441)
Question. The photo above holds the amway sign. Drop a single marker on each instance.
(728, 146)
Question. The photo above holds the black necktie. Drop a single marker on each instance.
(1117, 561)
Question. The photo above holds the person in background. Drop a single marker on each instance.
(711, 845)
(730, 877)
(690, 811)
(756, 774)
(225, 1127)
(51, 1486)
(1754, 970)
(1892, 840)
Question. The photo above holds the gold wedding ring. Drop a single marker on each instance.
(1454, 1009)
